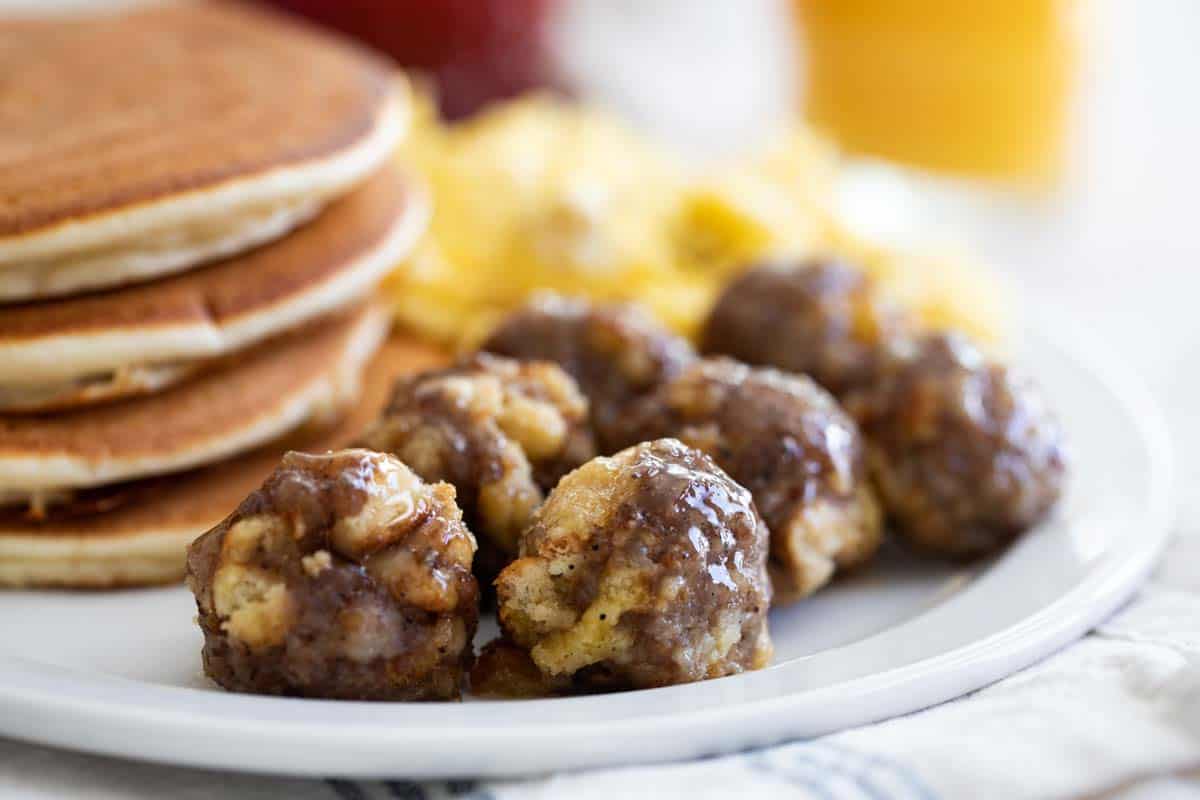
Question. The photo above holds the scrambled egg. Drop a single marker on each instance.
(541, 194)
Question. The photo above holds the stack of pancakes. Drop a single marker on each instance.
(196, 204)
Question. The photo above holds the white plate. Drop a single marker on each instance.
(120, 673)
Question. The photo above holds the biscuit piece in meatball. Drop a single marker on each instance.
(614, 351)
(343, 576)
(824, 319)
(502, 432)
(644, 569)
(788, 441)
(964, 452)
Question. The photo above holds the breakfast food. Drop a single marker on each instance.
(964, 451)
(343, 576)
(640, 570)
(505, 670)
(502, 432)
(786, 440)
(304, 377)
(531, 195)
(542, 194)
(826, 319)
(188, 241)
(615, 352)
(140, 339)
(197, 143)
(189, 246)
(135, 533)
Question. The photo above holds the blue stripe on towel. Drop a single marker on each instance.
(405, 790)
(839, 773)
(346, 790)
(878, 764)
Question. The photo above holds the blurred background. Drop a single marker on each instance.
(1054, 138)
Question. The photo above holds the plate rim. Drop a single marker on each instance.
(34, 706)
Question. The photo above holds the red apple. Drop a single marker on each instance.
(474, 50)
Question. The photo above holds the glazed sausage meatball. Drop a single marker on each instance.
(502, 432)
(644, 569)
(343, 576)
(964, 452)
(788, 441)
(824, 319)
(615, 352)
(504, 669)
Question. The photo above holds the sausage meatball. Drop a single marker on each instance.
(505, 669)
(343, 576)
(964, 452)
(788, 441)
(824, 319)
(644, 569)
(502, 432)
(615, 352)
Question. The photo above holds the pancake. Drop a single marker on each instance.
(93, 390)
(304, 375)
(141, 539)
(141, 143)
(79, 350)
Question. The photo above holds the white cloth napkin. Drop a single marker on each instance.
(1116, 714)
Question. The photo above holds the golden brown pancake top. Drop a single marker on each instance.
(204, 496)
(113, 111)
(252, 386)
(347, 230)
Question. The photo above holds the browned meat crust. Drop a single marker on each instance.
(502, 432)
(964, 452)
(824, 319)
(343, 576)
(615, 352)
(788, 441)
(644, 569)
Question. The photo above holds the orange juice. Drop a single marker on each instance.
(978, 88)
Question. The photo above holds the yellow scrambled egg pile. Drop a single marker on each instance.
(541, 194)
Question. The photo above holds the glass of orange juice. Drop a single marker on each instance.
(976, 88)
